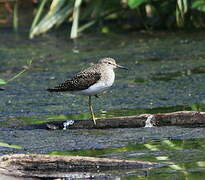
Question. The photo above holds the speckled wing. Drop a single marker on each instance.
(80, 81)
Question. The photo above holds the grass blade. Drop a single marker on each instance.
(181, 9)
(2, 144)
(15, 16)
(74, 29)
(87, 25)
(55, 6)
(52, 18)
(21, 72)
(38, 14)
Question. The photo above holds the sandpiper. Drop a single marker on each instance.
(91, 81)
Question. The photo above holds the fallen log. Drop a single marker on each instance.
(181, 118)
(38, 165)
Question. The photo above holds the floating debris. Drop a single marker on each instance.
(68, 123)
(150, 122)
(52, 126)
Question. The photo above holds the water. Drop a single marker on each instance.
(166, 74)
(185, 159)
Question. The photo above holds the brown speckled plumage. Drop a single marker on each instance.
(91, 81)
(80, 81)
(83, 79)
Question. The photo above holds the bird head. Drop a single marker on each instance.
(111, 62)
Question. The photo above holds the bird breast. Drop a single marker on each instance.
(108, 77)
(106, 81)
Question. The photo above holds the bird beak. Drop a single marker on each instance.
(122, 67)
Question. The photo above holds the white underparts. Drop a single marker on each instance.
(95, 88)
(106, 81)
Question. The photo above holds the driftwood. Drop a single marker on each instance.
(36, 165)
(181, 118)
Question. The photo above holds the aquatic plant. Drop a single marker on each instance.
(25, 68)
(143, 14)
(2, 82)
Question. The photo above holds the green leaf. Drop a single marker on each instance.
(199, 5)
(10, 145)
(2, 81)
(135, 3)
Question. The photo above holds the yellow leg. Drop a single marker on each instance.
(91, 110)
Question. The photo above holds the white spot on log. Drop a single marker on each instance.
(150, 122)
(67, 123)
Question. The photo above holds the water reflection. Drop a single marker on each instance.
(185, 159)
